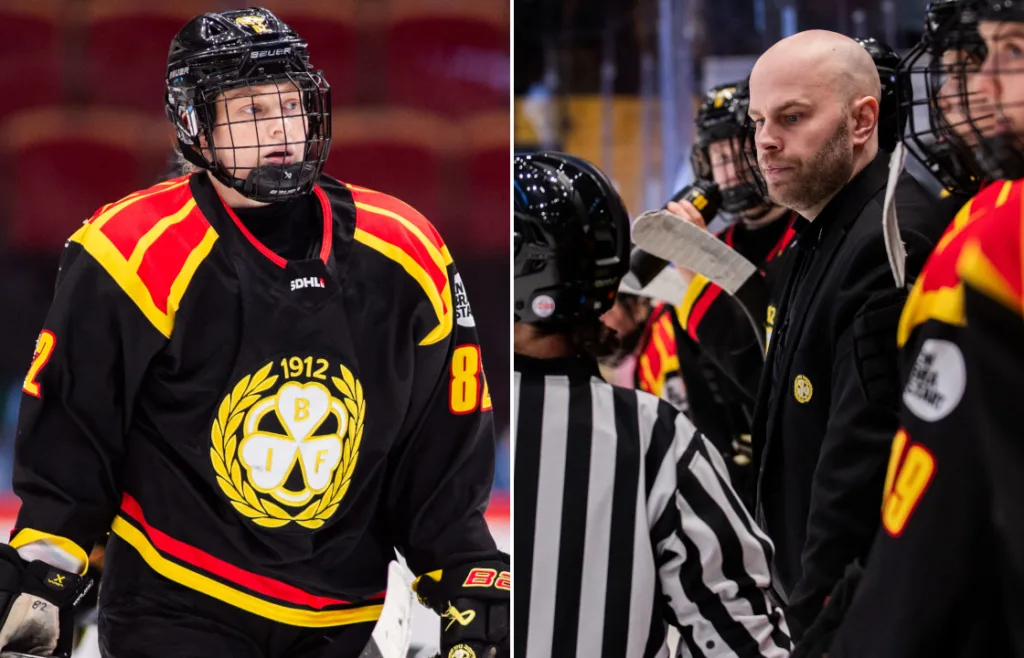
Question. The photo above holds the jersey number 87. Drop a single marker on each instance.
(467, 389)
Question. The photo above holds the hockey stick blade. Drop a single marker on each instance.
(666, 287)
(667, 236)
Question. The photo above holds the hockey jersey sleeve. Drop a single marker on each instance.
(77, 401)
(441, 477)
(713, 560)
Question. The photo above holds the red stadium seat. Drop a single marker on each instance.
(489, 165)
(30, 54)
(64, 164)
(126, 50)
(451, 58)
(329, 26)
(397, 152)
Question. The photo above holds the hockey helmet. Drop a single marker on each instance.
(218, 52)
(571, 241)
(890, 125)
(722, 116)
(932, 76)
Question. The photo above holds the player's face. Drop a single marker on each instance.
(999, 85)
(625, 317)
(258, 126)
(802, 135)
(952, 97)
(724, 166)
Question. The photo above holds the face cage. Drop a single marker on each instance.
(741, 197)
(748, 148)
(1000, 155)
(938, 140)
(270, 182)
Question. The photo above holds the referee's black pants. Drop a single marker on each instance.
(144, 615)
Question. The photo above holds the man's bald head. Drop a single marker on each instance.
(822, 62)
(814, 100)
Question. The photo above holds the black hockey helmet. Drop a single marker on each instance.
(890, 124)
(722, 116)
(571, 241)
(932, 76)
(997, 135)
(218, 52)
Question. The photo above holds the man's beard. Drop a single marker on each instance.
(827, 171)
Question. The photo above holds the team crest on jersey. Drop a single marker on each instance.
(285, 441)
(463, 314)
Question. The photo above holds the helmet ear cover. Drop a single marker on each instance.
(570, 241)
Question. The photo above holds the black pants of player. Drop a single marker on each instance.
(144, 615)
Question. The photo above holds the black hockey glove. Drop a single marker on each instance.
(473, 601)
(37, 605)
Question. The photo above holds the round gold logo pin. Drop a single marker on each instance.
(802, 389)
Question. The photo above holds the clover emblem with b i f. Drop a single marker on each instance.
(286, 440)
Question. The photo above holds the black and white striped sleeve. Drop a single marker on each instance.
(712, 559)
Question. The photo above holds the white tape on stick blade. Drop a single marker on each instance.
(674, 239)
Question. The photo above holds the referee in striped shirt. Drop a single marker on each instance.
(625, 518)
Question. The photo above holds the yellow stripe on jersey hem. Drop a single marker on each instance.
(416, 271)
(976, 270)
(26, 536)
(257, 606)
(693, 291)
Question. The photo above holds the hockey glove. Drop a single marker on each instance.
(473, 601)
(36, 605)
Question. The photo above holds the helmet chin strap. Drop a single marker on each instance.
(264, 184)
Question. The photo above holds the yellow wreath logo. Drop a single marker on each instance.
(300, 432)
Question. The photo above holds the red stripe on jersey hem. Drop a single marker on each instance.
(711, 293)
(194, 557)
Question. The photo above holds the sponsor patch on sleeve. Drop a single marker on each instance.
(463, 313)
(936, 382)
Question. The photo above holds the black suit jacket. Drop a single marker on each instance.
(827, 402)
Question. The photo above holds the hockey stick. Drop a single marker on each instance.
(667, 286)
(676, 240)
(392, 634)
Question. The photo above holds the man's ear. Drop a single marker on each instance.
(864, 115)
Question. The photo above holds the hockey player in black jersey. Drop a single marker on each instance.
(255, 379)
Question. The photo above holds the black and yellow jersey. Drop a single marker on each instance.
(260, 430)
(947, 508)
